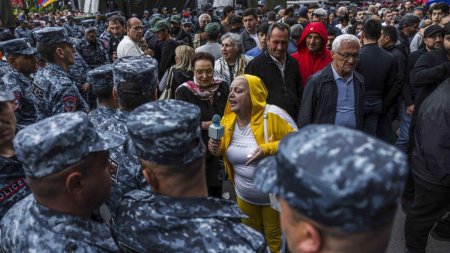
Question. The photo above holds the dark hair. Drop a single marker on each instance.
(281, 26)
(313, 6)
(408, 20)
(227, 9)
(372, 29)
(202, 56)
(291, 21)
(263, 28)
(250, 12)
(440, 6)
(131, 95)
(236, 20)
(391, 32)
(345, 18)
(289, 10)
(271, 16)
(103, 94)
(117, 19)
(48, 51)
(332, 32)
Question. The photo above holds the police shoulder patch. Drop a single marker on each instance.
(70, 103)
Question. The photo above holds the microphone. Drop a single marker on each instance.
(215, 130)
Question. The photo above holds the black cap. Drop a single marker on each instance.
(431, 30)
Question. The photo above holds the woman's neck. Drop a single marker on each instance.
(7, 150)
(243, 119)
(231, 60)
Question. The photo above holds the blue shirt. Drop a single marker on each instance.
(254, 52)
(345, 108)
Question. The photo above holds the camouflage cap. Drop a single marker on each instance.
(89, 25)
(212, 29)
(338, 177)
(140, 70)
(6, 95)
(166, 132)
(51, 145)
(185, 21)
(101, 78)
(17, 47)
(160, 25)
(155, 19)
(175, 19)
(51, 35)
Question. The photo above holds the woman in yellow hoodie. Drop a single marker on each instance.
(245, 142)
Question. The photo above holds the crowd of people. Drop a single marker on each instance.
(332, 116)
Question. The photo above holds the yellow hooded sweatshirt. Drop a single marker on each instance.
(277, 126)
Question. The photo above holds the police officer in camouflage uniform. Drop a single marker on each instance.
(101, 82)
(179, 216)
(78, 73)
(53, 87)
(146, 19)
(135, 81)
(72, 29)
(23, 61)
(13, 186)
(21, 32)
(90, 48)
(337, 189)
(66, 165)
(100, 23)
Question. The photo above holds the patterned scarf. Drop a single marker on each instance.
(204, 93)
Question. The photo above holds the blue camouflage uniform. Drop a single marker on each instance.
(101, 80)
(13, 186)
(141, 70)
(72, 29)
(21, 33)
(338, 177)
(162, 132)
(94, 53)
(4, 68)
(21, 85)
(53, 87)
(100, 25)
(146, 21)
(32, 227)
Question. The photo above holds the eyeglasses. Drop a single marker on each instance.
(201, 72)
(347, 56)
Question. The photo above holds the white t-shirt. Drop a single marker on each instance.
(242, 144)
(255, 37)
(127, 47)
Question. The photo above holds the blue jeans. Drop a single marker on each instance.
(402, 140)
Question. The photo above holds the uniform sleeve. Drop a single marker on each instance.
(68, 99)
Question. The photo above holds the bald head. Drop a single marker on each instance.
(135, 29)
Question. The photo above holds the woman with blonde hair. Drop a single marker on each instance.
(252, 130)
(180, 72)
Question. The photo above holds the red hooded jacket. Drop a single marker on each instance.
(309, 62)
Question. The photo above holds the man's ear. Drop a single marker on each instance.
(59, 52)
(150, 177)
(115, 95)
(73, 183)
(312, 241)
(11, 60)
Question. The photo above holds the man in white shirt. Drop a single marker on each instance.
(129, 45)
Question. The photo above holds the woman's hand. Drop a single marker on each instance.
(214, 146)
(257, 155)
(206, 124)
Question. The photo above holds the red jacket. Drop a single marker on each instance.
(308, 62)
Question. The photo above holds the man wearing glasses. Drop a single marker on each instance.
(334, 94)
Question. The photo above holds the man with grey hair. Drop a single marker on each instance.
(334, 94)
(279, 71)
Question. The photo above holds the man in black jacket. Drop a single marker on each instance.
(430, 161)
(334, 95)
(279, 71)
(433, 40)
(388, 42)
(379, 75)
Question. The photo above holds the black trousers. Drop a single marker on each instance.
(428, 208)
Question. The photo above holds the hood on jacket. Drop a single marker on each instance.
(313, 27)
(258, 95)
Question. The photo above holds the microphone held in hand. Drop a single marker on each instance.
(215, 130)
